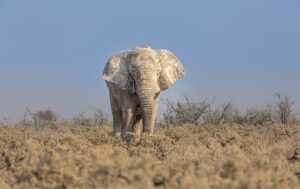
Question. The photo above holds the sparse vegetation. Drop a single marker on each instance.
(284, 109)
(228, 156)
(220, 115)
(211, 147)
(204, 112)
(82, 120)
(97, 119)
(49, 118)
(184, 112)
(255, 116)
(41, 118)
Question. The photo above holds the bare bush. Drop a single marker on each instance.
(187, 111)
(220, 115)
(5, 122)
(255, 116)
(41, 118)
(26, 118)
(284, 109)
(99, 117)
(184, 112)
(82, 120)
(168, 115)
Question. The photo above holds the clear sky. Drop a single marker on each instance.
(52, 53)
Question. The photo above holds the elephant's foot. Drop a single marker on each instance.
(117, 134)
(131, 138)
(148, 133)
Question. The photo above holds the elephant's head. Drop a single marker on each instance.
(146, 72)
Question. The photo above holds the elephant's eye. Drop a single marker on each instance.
(146, 58)
(143, 58)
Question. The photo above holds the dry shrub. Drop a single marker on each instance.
(220, 115)
(98, 118)
(41, 118)
(184, 112)
(204, 112)
(255, 116)
(284, 109)
(182, 157)
(82, 120)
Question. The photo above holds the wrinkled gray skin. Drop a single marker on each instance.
(135, 79)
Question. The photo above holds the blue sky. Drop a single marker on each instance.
(52, 53)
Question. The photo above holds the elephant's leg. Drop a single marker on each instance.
(117, 116)
(128, 113)
(138, 122)
(128, 119)
(138, 125)
(154, 112)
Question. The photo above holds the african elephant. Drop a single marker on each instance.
(135, 79)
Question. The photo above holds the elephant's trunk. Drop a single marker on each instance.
(146, 104)
(146, 94)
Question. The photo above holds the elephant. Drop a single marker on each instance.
(135, 79)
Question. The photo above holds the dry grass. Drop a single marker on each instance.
(179, 157)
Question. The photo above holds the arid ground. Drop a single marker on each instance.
(231, 156)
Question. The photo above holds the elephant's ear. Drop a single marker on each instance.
(171, 69)
(116, 71)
